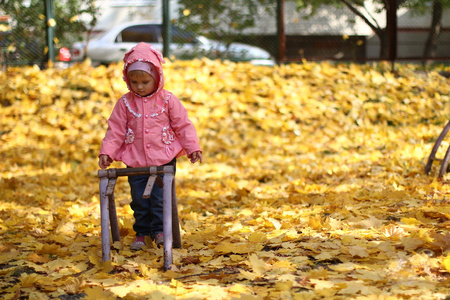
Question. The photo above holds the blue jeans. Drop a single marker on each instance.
(148, 213)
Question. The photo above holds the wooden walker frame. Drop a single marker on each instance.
(444, 161)
(108, 214)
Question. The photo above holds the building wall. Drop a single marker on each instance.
(412, 36)
(331, 23)
(115, 12)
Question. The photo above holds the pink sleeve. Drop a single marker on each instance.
(183, 127)
(115, 134)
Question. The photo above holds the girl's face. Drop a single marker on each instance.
(142, 83)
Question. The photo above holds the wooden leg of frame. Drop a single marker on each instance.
(104, 217)
(167, 220)
(438, 142)
(113, 219)
(444, 164)
(175, 220)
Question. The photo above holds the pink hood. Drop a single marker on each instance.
(147, 53)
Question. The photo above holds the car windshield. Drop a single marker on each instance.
(153, 33)
(139, 33)
(181, 37)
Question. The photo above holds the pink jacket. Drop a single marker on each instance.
(151, 130)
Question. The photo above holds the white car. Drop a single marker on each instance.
(114, 43)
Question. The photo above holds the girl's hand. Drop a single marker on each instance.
(104, 161)
(195, 156)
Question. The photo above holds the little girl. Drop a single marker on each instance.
(148, 127)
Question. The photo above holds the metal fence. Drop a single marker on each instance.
(331, 33)
(20, 43)
(33, 31)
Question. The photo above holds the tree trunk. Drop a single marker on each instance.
(387, 35)
(435, 30)
(384, 44)
(391, 31)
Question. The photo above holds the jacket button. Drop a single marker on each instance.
(147, 146)
(146, 116)
(147, 130)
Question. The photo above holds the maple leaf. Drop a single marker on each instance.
(446, 263)
(393, 231)
(33, 257)
(258, 265)
(98, 293)
(411, 244)
(441, 240)
(190, 260)
(358, 251)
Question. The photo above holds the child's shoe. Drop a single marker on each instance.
(159, 239)
(138, 243)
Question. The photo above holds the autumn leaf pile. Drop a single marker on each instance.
(312, 185)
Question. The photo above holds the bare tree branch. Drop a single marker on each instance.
(375, 28)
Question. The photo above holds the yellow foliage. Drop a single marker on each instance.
(312, 185)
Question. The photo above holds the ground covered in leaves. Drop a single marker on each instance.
(312, 185)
